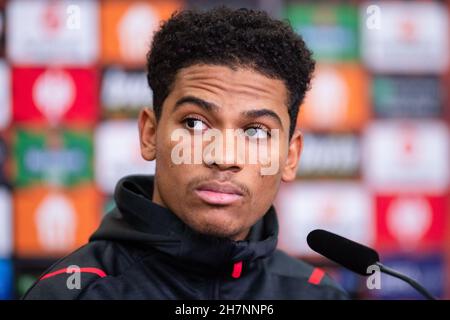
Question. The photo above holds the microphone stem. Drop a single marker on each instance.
(410, 281)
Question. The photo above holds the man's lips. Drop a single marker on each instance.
(219, 193)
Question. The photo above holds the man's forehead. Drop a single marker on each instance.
(215, 79)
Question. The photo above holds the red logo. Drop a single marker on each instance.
(55, 95)
(410, 222)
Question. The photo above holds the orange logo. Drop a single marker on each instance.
(338, 99)
(53, 221)
(128, 27)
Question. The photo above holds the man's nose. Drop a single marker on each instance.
(230, 155)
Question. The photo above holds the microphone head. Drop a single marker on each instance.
(350, 254)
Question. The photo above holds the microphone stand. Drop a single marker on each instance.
(410, 281)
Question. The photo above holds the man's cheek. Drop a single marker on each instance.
(270, 162)
(165, 147)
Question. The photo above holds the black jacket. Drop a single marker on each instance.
(143, 251)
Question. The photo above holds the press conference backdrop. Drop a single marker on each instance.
(375, 166)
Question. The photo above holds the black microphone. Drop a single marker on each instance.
(355, 256)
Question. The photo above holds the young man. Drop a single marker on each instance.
(205, 227)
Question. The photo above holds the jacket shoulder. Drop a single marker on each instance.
(71, 275)
(301, 274)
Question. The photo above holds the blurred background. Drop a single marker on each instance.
(375, 166)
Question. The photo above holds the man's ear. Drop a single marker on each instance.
(295, 149)
(147, 133)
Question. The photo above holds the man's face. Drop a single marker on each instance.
(220, 198)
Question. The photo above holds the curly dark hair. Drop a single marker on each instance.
(233, 38)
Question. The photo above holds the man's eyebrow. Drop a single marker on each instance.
(210, 106)
(206, 105)
(257, 113)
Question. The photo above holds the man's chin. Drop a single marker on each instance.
(218, 227)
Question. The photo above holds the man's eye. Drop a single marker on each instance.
(257, 133)
(195, 124)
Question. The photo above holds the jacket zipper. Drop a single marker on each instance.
(236, 273)
(216, 285)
